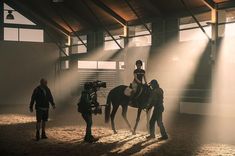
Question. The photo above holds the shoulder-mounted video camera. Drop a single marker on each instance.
(94, 85)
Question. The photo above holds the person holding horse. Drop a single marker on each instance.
(139, 77)
(156, 100)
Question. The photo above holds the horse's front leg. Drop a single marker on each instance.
(137, 120)
(124, 112)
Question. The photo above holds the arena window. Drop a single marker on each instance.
(21, 34)
(87, 64)
(121, 65)
(14, 31)
(110, 44)
(11, 34)
(106, 65)
(139, 36)
(189, 29)
(227, 27)
(31, 35)
(65, 64)
(229, 30)
(77, 46)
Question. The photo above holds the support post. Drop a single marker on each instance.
(214, 33)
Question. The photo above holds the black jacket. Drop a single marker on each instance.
(42, 95)
(87, 101)
(156, 99)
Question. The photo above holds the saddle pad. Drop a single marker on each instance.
(128, 91)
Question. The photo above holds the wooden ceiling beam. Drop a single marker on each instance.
(109, 11)
(209, 3)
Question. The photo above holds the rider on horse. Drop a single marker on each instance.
(139, 77)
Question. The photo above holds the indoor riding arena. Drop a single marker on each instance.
(117, 77)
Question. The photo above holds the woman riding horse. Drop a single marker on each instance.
(139, 77)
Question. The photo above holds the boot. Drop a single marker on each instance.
(43, 136)
(151, 136)
(165, 137)
(37, 135)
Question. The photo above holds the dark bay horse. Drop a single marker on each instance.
(117, 98)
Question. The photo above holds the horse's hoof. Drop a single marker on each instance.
(115, 132)
(133, 133)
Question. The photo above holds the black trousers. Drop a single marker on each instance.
(157, 116)
(88, 119)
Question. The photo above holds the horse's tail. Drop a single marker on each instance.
(108, 108)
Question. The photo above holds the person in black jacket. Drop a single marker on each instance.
(87, 101)
(42, 96)
(156, 101)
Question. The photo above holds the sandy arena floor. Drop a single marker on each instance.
(17, 137)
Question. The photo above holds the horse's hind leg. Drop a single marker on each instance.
(137, 120)
(124, 111)
(112, 116)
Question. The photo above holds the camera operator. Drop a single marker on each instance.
(88, 101)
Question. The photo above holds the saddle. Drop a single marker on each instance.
(128, 91)
(140, 97)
